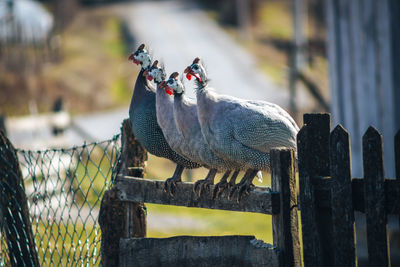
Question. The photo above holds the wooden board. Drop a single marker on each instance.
(260, 200)
(197, 251)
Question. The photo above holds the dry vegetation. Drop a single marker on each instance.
(89, 69)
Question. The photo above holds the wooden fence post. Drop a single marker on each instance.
(375, 199)
(14, 206)
(397, 160)
(313, 153)
(341, 199)
(119, 219)
(285, 225)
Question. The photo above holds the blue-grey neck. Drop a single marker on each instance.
(141, 92)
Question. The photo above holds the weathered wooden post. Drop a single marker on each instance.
(285, 224)
(375, 199)
(397, 157)
(119, 219)
(14, 207)
(341, 199)
(313, 153)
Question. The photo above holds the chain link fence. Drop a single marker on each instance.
(63, 188)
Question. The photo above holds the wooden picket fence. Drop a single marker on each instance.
(328, 198)
(329, 194)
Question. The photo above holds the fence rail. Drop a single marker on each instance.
(134, 189)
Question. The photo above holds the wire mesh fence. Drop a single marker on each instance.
(63, 189)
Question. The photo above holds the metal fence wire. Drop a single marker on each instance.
(64, 188)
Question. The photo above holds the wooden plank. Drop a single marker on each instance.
(198, 251)
(122, 219)
(341, 199)
(323, 194)
(374, 196)
(319, 125)
(260, 200)
(397, 159)
(384, 85)
(319, 130)
(395, 41)
(14, 209)
(312, 255)
(285, 226)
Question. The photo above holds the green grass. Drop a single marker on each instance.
(92, 177)
(120, 90)
(115, 45)
(69, 244)
(209, 222)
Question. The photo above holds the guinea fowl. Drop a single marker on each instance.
(241, 130)
(165, 117)
(185, 113)
(142, 115)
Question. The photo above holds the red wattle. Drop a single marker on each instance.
(137, 62)
(188, 76)
(198, 77)
(169, 91)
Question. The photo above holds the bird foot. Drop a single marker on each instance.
(244, 187)
(221, 187)
(170, 185)
(202, 185)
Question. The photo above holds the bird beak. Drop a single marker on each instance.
(189, 73)
(132, 57)
(146, 74)
(167, 89)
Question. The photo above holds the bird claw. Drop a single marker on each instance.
(203, 184)
(244, 189)
(170, 185)
(233, 189)
(219, 188)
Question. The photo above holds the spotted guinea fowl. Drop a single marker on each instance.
(165, 118)
(142, 115)
(185, 113)
(241, 130)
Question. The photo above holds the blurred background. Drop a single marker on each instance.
(68, 58)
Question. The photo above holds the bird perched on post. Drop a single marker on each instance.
(186, 119)
(142, 115)
(240, 130)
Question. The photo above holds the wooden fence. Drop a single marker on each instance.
(123, 219)
(328, 198)
(329, 195)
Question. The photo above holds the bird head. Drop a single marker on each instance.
(173, 86)
(155, 72)
(141, 56)
(197, 70)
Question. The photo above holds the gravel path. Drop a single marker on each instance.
(178, 31)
